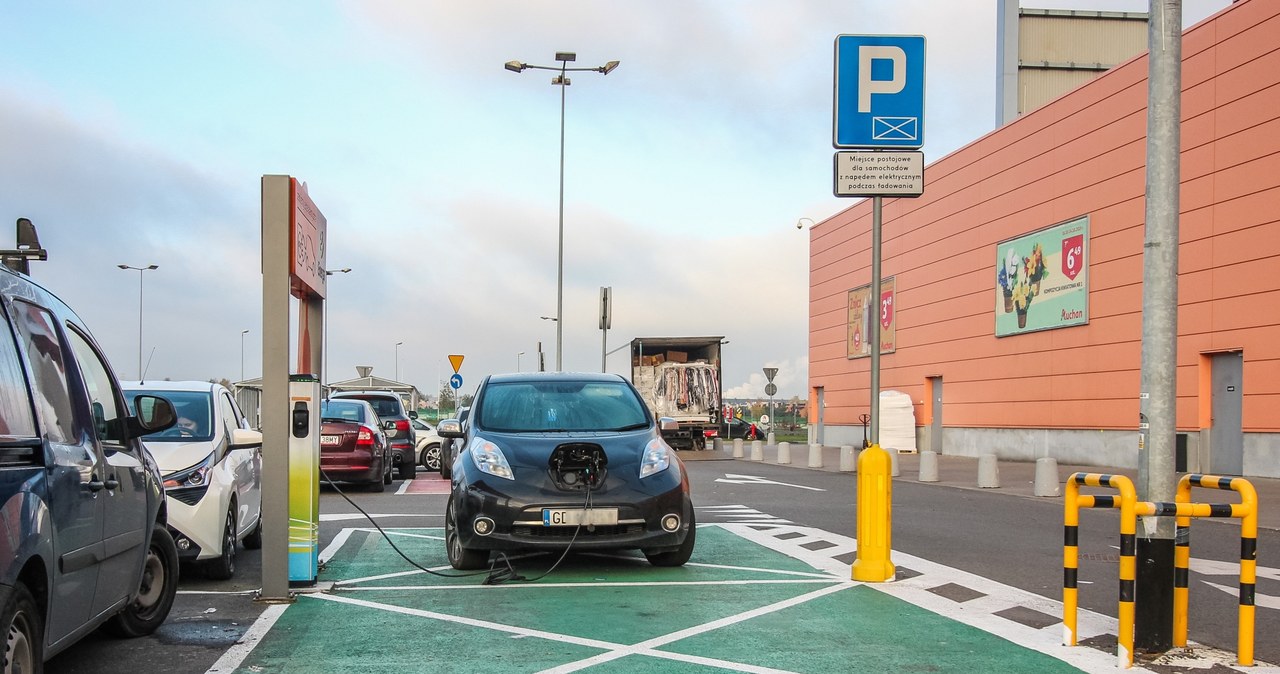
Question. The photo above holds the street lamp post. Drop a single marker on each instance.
(518, 360)
(242, 334)
(565, 58)
(325, 347)
(398, 360)
(149, 267)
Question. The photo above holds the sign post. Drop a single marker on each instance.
(879, 105)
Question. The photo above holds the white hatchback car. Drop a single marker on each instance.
(427, 443)
(211, 462)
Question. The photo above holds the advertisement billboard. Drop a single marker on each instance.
(1042, 279)
(863, 313)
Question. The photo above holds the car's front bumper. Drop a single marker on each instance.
(516, 514)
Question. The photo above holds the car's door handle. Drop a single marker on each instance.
(95, 485)
(112, 483)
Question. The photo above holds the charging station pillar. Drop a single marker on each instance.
(304, 479)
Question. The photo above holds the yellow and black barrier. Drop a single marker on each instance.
(1183, 509)
(1074, 501)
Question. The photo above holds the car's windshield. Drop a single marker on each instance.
(533, 406)
(340, 410)
(194, 410)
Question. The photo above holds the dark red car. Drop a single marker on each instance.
(353, 444)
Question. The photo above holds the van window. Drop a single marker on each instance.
(16, 417)
(108, 422)
(48, 369)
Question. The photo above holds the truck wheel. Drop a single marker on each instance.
(24, 631)
(156, 589)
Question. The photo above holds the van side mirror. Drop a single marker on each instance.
(155, 414)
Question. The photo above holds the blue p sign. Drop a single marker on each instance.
(879, 91)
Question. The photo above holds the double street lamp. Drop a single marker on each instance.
(565, 58)
(149, 267)
(325, 346)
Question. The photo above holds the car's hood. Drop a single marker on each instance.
(534, 450)
(175, 456)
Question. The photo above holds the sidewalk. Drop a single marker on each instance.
(1016, 478)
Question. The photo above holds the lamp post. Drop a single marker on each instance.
(325, 347)
(242, 334)
(565, 58)
(518, 360)
(398, 360)
(149, 267)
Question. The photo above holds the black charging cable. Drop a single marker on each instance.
(492, 569)
(509, 574)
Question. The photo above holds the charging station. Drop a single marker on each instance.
(304, 479)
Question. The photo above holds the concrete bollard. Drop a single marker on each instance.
(928, 466)
(757, 450)
(784, 452)
(737, 448)
(988, 472)
(896, 470)
(1047, 477)
(770, 440)
(848, 460)
(815, 456)
(717, 444)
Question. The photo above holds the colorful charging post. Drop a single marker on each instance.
(875, 516)
(304, 479)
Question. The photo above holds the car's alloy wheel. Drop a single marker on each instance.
(461, 558)
(223, 566)
(431, 457)
(24, 636)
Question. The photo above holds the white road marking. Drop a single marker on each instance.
(623, 583)
(230, 661)
(343, 517)
(1260, 600)
(731, 478)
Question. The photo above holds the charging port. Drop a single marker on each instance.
(578, 465)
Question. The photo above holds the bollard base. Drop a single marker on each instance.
(879, 571)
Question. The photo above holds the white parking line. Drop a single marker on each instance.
(230, 661)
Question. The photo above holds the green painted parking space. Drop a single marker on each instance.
(738, 606)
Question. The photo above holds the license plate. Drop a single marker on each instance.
(564, 517)
(330, 440)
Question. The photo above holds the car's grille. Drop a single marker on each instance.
(189, 495)
(598, 531)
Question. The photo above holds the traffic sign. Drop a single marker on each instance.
(455, 381)
(456, 361)
(879, 91)
(770, 373)
(879, 173)
(770, 388)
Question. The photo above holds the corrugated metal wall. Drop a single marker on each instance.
(1051, 41)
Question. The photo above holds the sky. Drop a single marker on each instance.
(137, 133)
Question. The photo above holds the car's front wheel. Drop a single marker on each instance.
(680, 555)
(430, 457)
(223, 566)
(464, 559)
(156, 589)
(24, 631)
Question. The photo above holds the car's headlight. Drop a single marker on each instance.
(489, 458)
(195, 476)
(657, 458)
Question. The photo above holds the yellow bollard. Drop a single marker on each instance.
(875, 517)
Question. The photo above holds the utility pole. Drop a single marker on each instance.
(1157, 427)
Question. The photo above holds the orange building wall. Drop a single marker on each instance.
(1083, 154)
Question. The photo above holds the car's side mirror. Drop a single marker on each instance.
(413, 414)
(668, 424)
(155, 414)
(388, 425)
(449, 428)
(243, 438)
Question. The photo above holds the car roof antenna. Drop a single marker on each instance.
(28, 249)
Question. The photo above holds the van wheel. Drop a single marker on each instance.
(223, 566)
(23, 630)
(156, 589)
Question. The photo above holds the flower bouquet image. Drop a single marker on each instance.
(1022, 295)
(1035, 268)
(1008, 277)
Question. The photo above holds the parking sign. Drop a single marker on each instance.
(879, 91)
